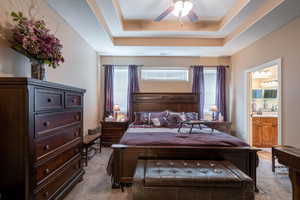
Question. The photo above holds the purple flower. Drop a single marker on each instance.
(34, 40)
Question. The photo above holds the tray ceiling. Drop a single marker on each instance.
(119, 27)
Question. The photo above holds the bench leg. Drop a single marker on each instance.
(273, 160)
(100, 144)
(86, 156)
(295, 179)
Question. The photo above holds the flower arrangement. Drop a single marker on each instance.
(32, 39)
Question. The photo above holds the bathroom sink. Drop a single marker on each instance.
(266, 114)
(270, 113)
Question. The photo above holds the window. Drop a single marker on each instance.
(121, 87)
(163, 74)
(210, 84)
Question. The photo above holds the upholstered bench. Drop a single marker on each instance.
(190, 180)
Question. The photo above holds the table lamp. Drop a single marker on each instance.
(116, 109)
(213, 109)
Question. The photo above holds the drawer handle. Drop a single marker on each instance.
(47, 147)
(49, 100)
(46, 194)
(76, 133)
(47, 171)
(73, 101)
(46, 124)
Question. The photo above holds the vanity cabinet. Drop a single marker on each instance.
(264, 131)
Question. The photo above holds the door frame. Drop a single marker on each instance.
(277, 62)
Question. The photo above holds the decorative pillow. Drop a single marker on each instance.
(183, 116)
(141, 118)
(174, 119)
(191, 116)
(161, 116)
(156, 122)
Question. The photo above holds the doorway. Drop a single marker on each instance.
(263, 105)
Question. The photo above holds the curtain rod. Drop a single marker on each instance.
(227, 66)
(123, 65)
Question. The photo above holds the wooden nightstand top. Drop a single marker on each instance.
(114, 122)
(114, 125)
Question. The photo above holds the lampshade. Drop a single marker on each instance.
(116, 107)
(182, 8)
(214, 108)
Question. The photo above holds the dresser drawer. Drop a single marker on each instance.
(48, 168)
(112, 132)
(48, 99)
(112, 136)
(112, 140)
(58, 180)
(45, 122)
(55, 139)
(73, 100)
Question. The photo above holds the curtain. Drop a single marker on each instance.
(221, 92)
(108, 89)
(198, 88)
(133, 87)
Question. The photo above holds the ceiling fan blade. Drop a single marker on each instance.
(193, 16)
(164, 14)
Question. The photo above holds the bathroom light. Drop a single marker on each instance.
(263, 74)
(182, 8)
(269, 84)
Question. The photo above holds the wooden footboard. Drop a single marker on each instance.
(125, 158)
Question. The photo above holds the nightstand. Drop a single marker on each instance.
(112, 132)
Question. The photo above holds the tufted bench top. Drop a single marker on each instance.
(190, 180)
(192, 172)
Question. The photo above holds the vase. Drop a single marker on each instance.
(38, 70)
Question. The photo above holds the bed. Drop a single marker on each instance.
(164, 143)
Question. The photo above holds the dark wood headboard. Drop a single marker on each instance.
(177, 102)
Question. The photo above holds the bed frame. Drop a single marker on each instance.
(125, 157)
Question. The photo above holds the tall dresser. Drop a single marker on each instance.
(41, 129)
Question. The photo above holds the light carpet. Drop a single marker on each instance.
(96, 184)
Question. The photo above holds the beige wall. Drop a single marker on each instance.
(283, 43)
(80, 68)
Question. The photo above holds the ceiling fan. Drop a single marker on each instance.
(180, 8)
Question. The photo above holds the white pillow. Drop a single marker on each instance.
(156, 121)
(182, 117)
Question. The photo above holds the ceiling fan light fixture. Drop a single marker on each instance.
(182, 8)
